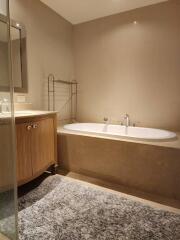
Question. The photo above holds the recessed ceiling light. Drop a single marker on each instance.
(135, 22)
(17, 25)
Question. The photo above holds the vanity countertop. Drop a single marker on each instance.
(26, 113)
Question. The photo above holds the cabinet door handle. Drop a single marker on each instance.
(35, 126)
(28, 127)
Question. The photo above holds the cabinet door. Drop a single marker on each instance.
(23, 140)
(42, 144)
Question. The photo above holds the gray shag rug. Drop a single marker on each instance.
(64, 209)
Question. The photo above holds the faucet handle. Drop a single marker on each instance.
(105, 119)
(136, 123)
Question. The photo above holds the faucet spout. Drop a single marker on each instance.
(127, 124)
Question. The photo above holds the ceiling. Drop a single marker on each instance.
(78, 11)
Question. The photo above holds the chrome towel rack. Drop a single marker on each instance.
(51, 90)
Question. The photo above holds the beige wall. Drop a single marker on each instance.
(121, 67)
(126, 68)
(49, 45)
(3, 7)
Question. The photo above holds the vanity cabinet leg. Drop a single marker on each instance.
(54, 169)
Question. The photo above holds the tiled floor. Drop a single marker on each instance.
(2, 237)
(154, 200)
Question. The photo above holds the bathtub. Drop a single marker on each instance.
(136, 158)
(140, 133)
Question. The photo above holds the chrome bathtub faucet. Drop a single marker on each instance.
(106, 122)
(126, 117)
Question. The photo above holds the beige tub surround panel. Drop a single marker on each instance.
(123, 67)
(49, 46)
(148, 168)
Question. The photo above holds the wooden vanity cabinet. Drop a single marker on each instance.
(23, 152)
(36, 139)
(42, 141)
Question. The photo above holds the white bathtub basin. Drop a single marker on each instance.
(140, 133)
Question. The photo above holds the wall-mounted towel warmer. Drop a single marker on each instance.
(73, 95)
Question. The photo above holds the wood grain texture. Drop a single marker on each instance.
(55, 138)
(42, 142)
(23, 152)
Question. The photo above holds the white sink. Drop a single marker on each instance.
(24, 113)
(18, 113)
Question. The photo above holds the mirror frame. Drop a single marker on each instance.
(23, 54)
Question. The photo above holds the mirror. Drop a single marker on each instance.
(19, 62)
(16, 57)
(3, 55)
